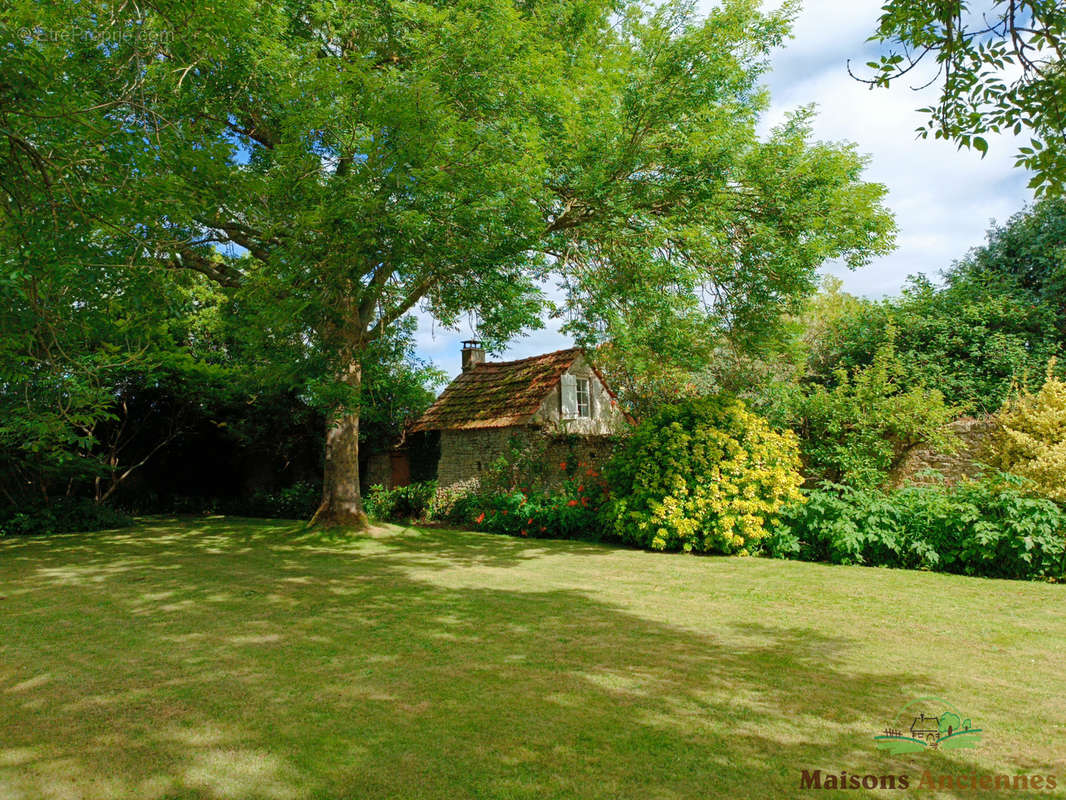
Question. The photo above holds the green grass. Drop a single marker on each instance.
(246, 659)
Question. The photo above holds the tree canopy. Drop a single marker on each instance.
(999, 67)
(331, 167)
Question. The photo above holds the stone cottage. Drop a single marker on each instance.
(482, 411)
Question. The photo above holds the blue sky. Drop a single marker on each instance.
(943, 199)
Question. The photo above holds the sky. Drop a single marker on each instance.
(943, 199)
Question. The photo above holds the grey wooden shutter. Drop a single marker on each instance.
(569, 395)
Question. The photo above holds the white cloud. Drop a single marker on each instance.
(943, 198)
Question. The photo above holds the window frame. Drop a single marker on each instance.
(587, 384)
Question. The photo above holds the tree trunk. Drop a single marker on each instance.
(342, 503)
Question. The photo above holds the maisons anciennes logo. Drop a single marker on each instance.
(928, 722)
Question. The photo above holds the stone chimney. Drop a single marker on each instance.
(473, 354)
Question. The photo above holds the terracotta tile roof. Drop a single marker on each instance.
(497, 394)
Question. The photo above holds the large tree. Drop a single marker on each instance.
(336, 165)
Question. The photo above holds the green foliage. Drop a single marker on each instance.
(992, 528)
(994, 324)
(73, 343)
(60, 515)
(298, 501)
(572, 509)
(862, 428)
(1030, 438)
(1024, 259)
(332, 170)
(971, 343)
(79, 416)
(1000, 68)
(702, 476)
(411, 502)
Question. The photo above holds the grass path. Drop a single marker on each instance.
(246, 659)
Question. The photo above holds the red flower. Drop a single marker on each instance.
(480, 518)
(584, 501)
(504, 511)
(562, 465)
(571, 502)
(542, 529)
(581, 488)
(524, 532)
(529, 521)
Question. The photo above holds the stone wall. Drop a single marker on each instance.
(466, 454)
(972, 435)
(377, 471)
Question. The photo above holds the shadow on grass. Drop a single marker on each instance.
(225, 660)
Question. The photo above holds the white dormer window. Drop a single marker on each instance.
(584, 397)
(576, 396)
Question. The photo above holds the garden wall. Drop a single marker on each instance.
(972, 435)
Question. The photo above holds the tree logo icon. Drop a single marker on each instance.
(928, 723)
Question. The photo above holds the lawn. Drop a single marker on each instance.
(244, 659)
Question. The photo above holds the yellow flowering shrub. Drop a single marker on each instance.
(1030, 438)
(703, 476)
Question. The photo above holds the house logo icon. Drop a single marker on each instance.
(928, 723)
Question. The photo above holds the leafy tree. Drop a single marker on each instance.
(826, 326)
(949, 722)
(73, 340)
(1000, 67)
(334, 166)
(971, 342)
(997, 320)
(1025, 259)
(862, 428)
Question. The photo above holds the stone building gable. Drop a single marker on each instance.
(491, 404)
(497, 394)
(605, 416)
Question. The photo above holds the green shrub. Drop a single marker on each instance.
(443, 504)
(401, 502)
(1030, 438)
(991, 528)
(299, 501)
(703, 476)
(861, 429)
(569, 511)
(61, 515)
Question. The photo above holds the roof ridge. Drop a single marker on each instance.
(529, 358)
(498, 393)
